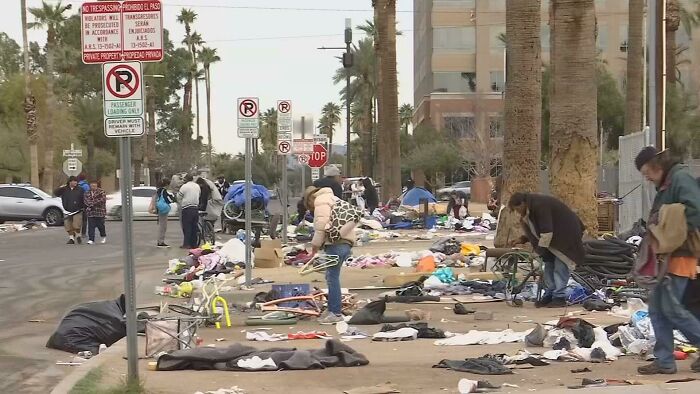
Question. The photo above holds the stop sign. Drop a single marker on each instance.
(319, 157)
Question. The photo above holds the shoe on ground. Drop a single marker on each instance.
(695, 366)
(557, 303)
(543, 302)
(655, 369)
(79, 240)
(331, 318)
(70, 242)
(104, 240)
(163, 245)
(90, 242)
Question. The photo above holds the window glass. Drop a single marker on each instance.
(602, 39)
(454, 82)
(496, 33)
(144, 192)
(497, 81)
(459, 127)
(544, 37)
(16, 192)
(496, 126)
(460, 39)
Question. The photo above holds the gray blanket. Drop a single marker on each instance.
(334, 354)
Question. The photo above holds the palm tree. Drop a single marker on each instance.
(50, 18)
(406, 117)
(187, 18)
(390, 129)
(29, 105)
(573, 124)
(635, 67)
(193, 42)
(330, 117)
(208, 56)
(677, 16)
(523, 107)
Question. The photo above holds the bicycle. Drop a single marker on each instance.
(205, 230)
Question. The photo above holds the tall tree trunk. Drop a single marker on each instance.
(367, 143)
(196, 105)
(523, 111)
(673, 22)
(48, 172)
(391, 130)
(573, 124)
(207, 77)
(137, 159)
(29, 105)
(377, 133)
(186, 131)
(91, 164)
(151, 136)
(635, 67)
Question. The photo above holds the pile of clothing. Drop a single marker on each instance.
(205, 261)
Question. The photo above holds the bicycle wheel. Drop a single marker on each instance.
(206, 232)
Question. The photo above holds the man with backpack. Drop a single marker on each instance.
(162, 202)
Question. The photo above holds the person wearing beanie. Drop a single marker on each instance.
(332, 180)
(72, 199)
(676, 189)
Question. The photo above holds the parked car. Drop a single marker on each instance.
(142, 196)
(464, 186)
(25, 202)
(357, 182)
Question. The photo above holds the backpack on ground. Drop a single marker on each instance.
(342, 214)
(162, 206)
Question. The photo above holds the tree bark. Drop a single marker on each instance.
(673, 22)
(377, 164)
(635, 68)
(196, 104)
(207, 76)
(29, 105)
(48, 172)
(391, 130)
(151, 137)
(523, 112)
(573, 124)
(91, 164)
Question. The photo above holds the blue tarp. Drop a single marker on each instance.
(412, 197)
(237, 194)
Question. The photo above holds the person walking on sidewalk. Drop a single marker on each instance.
(322, 202)
(556, 234)
(672, 245)
(189, 201)
(95, 209)
(72, 199)
(162, 202)
(83, 184)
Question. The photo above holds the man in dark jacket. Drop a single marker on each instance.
(72, 198)
(555, 232)
(332, 180)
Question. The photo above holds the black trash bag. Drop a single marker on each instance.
(88, 325)
(373, 313)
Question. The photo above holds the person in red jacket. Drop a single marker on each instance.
(95, 209)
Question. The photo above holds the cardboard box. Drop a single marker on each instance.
(269, 254)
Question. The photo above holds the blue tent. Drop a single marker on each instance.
(412, 197)
(237, 193)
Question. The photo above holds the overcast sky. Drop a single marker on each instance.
(257, 59)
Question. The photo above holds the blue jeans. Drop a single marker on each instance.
(343, 251)
(666, 314)
(556, 277)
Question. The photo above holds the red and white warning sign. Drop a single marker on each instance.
(143, 30)
(123, 99)
(101, 29)
(130, 30)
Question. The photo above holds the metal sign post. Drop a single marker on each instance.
(248, 128)
(284, 148)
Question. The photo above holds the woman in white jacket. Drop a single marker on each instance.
(321, 203)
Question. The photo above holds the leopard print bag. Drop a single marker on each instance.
(342, 214)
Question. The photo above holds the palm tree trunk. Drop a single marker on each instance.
(207, 77)
(390, 132)
(48, 172)
(672, 24)
(635, 67)
(523, 107)
(151, 137)
(573, 124)
(186, 131)
(379, 48)
(196, 104)
(91, 164)
(29, 105)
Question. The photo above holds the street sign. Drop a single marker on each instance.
(319, 157)
(284, 147)
(123, 93)
(321, 139)
(72, 167)
(101, 28)
(72, 152)
(114, 31)
(142, 24)
(315, 174)
(303, 159)
(248, 114)
(303, 146)
(284, 116)
(123, 99)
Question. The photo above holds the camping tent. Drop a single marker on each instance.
(413, 197)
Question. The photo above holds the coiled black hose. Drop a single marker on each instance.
(609, 258)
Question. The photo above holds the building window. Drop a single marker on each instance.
(497, 81)
(459, 127)
(497, 5)
(460, 39)
(544, 37)
(454, 82)
(496, 126)
(496, 33)
(455, 3)
(602, 39)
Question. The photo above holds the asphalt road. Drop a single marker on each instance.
(42, 278)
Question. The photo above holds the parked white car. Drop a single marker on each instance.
(142, 196)
(464, 186)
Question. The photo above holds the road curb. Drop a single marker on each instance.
(112, 352)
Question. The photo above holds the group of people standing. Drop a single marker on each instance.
(668, 255)
(85, 209)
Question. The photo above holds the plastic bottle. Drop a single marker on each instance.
(102, 348)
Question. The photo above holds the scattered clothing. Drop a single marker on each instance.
(423, 330)
(475, 337)
(402, 334)
(480, 366)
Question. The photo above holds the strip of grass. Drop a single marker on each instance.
(90, 384)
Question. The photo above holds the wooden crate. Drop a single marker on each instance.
(607, 215)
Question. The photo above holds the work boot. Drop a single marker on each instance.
(695, 366)
(543, 302)
(654, 369)
(557, 303)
